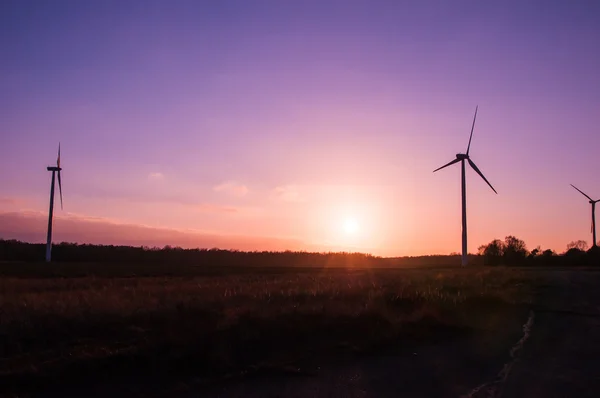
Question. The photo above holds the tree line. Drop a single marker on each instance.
(13, 250)
(513, 251)
(510, 251)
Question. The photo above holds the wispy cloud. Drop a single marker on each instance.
(287, 193)
(85, 218)
(31, 227)
(9, 201)
(156, 176)
(12, 203)
(210, 208)
(232, 188)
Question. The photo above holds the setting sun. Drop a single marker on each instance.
(350, 226)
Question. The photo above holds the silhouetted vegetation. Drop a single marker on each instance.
(12, 250)
(119, 335)
(513, 251)
(509, 252)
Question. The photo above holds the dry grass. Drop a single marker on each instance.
(202, 327)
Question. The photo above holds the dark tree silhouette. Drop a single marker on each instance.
(515, 250)
(535, 252)
(580, 245)
(548, 253)
(492, 252)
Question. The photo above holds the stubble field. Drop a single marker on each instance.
(159, 330)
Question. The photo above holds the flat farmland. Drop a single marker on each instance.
(164, 330)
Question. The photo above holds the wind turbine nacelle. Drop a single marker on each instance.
(50, 168)
(462, 156)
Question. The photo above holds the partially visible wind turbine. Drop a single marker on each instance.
(593, 202)
(461, 157)
(54, 170)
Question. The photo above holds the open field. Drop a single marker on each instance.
(76, 330)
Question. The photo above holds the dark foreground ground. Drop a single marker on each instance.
(94, 330)
(562, 358)
(556, 353)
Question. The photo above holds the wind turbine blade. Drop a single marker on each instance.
(446, 165)
(581, 192)
(472, 128)
(59, 180)
(60, 190)
(480, 174)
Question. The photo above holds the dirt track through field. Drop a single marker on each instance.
(553, 352)
(492, 389)
(563, 357)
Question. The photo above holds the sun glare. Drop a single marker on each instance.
(350, 226)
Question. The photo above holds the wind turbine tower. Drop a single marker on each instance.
(55, 170)
(461, 157)
(593, 203)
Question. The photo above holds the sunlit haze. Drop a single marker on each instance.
(304, 125)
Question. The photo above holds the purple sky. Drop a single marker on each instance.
(283, 119)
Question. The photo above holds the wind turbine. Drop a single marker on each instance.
(54, 170)
(461, 157)
(593, 202)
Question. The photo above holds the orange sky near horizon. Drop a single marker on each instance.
(293, 217)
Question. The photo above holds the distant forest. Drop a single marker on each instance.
(511, 251)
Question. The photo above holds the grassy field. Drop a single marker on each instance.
(101, 326)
